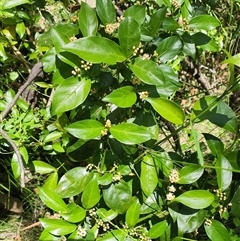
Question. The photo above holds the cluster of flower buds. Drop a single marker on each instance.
(85, 65)
(143, 95)
(176, 4)
(107, 126)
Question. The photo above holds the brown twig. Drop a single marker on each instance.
(35, 72)
(31, 226)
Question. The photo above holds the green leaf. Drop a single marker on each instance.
(96, 49)
(233, 60)
(74, 213)
(59, 38)
(216, 111)
(151, 204)
(106, 11)
(20, 29)
(114, 235)
(164, 162)
(156, 20)
(87, 19)
(52, 200)
(53, 136)
(235, 208)
(224, 172)
(118, 197)
(168, 110)
(70, 94)
(8, 4)
(15, 166)
(169, 48)
(133, 213)
(45, 235)
(128, 35)
(215, 144)
(196, 38)
(123, 97)
(51, 182)
(149, 175)
(190, 174)
(85, 129)
(130, 133)
(106, 215)
(217, 231)
(91, 194)
(73, 182)
(49, 60)
(199, 22)
(43, 167)
(196, 199)
(57, 226)
(157, 229)
(169, 24)
(105, 179)
(137, 12)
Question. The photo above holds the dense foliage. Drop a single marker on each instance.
(94, 129)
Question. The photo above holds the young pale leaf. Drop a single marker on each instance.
(114, 235)
(130, 133)
(123, 97)
(51, 182)
(233, 60)
(87, 19)
(85, 129)
(20, 29)
(216, 231)
(149, 175)
(57, 226)
(196, 199)
(129, 35)
(137, 12)
(168, 110)
(118, 197)
(157, 229)
(91, 194)
(190, 174)
(106, 11)
(224, 172)
(156, 20)
(70, 94)
(43, 167)
(96, 49)
(74, 214)
(52, 200)
(133, 213)
(53, 136)
(199, 22)
(15, 166)
(73, 182)
(215, 144)
(169, 48)
(216, 111)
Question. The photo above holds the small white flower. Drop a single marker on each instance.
(170, 196)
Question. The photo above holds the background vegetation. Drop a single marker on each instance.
(129, 126)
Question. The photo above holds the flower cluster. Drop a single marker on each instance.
(137, 232)
(143, 95)
(73, 38)
(117, 177)
(102, 224)
(208, 222)
(170, 195)
(136, 81)
(176, 4)
(111, 27)
(137, 50)
(81, 231)
(76, 71)
(85, 65)
(222, 195)
(174, 176)
(107, 126)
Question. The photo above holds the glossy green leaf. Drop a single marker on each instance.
(215, 144)
(15, 166)
(51, 181)
(164, 162)
(137, 12)
(133, 213)
(52, 200)
(156, 20)
(45, 235)
(106, 215)
(96, 49)
(224, 172)
(118, 197)
(233, 60)
(149, 175)
(169, 24)
(128, 35)
(105, 179)
(53, 136)
(91, 194)
(24, 153)
(130, 133)
(123, 97)
(157, 229)
(106, 11)
(217, 112)
(85, 129)
(57, 226)
(70, 94)
(199, 22)
(73, 182)
(169, 48)
(151, 204)
(43, 167)
(59, 38)
(235, 208)
(190, 174)
(217, 231)
(114, 235)
(8, 4)
(196, 38)
(20, 29)
(49, 60)
(87, 19)
(168, 110)
(197, 199)
(74, 213)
